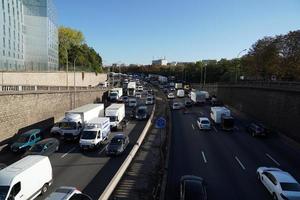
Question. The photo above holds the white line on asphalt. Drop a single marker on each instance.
(193, 126)
(68, 152)
(240, 163)
(204, 158)
(103, 149)
(277, 163)
(215, 129)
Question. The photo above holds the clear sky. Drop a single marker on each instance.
(135, 31)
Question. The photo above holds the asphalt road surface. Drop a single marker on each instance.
(227, 161)
(89, 171)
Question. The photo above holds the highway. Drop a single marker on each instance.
(89, 171)
(227, 161)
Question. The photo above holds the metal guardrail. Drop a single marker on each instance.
(24, 88)
(117, 177)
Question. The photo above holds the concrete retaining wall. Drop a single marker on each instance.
(51, 78)
(278, 108)
(42, 108)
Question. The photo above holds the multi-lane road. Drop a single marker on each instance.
(227, 161)
(89, 171)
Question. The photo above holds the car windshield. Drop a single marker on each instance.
(141, 111)
(113, 94)
(116, 141)
(37, 148)
(113, 118)
(290, 187)
(149, 99)
(87, 135)
(23, 138)
(3, 192)
(204, 122)
(68, 125)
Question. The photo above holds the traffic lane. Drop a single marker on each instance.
(195, 153)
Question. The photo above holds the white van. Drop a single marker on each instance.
(116, 114)
(180, 93)
(26, 178)
(94, 133)
(132, 102)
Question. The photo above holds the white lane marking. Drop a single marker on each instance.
(277, 163)
(240, 163)
(215, 129)
(193, 126)
(204, 158)
(103, 149)
(68, 152)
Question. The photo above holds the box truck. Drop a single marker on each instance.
(180, 93)
(94, 133)
(115, 94)
(75, 120)
(162, 79)
(216, 114)
(116, 114)
(26, 178)
(131, 87)
(198, 97)
(178, 86)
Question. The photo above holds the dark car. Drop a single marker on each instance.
(192, 188)
(117, 144)
(141, 113)
(45, 147)
(188, 103)
(256, 129)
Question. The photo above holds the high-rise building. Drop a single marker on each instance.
(29, 40)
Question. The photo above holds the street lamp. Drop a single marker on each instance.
(236, 73)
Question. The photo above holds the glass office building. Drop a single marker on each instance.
(32, 44)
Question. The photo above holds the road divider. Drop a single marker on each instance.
(240, 163)
(277, 163)
(215, 129)
(68, 152)
(117, 177)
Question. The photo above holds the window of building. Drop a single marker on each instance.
(8, 8)
(3, 52)
(3, 29)
(4, 42)
(3, 4)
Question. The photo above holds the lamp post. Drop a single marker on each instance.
(236, 73)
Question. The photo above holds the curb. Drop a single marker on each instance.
(117, 177)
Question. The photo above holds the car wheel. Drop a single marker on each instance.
(275, 196)
(44, 189)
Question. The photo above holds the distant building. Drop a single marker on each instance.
(172, 63)
(160, 62)
(28, 36)
(206, 62)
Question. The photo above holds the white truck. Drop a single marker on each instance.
(180, 93)
(131, 88)
(94, 133)
(26, 178)
(116, 114)
(198, 97)
(115, 94)
(178, 86)
(162, 79)
(216, 114)
(75, 120)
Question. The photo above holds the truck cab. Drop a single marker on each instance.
(71, 127)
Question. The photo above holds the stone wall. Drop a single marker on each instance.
(51, 78)
(19, 111)
(278, 108)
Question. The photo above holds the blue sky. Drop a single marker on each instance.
(135, 31)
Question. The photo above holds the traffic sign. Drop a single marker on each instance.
(160, 123)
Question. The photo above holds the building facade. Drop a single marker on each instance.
(159, 62)
(29, 37)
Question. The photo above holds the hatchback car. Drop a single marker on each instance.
(192, 187)
(256, 130)
(176, 106)
(149, 100)
(44, 147)
(67, 193)
(132, 103)
(203, 123)
(171, 96)
(26, 140)
(141, 113)
(117, 145)
(188, 103)
(280, 184)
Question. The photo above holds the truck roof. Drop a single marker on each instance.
(98, 120)
(115, 106)
(85, 108)
(7, 174)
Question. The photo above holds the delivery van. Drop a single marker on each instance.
(26, 178)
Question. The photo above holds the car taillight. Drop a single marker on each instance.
(284, 197)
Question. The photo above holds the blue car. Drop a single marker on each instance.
(26, 140)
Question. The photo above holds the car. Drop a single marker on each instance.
(192, 187)
(117, 144)
(149, 100)
(124, 99)
(132, 102)
(55, 130)
(67, 193)
(138, 95)
(188, 103)
(141, 113)
(150, 92)
(26, 140)
(176, 106)
(171, 96)
(203, 123)
(172, 89)
(44, 147)
(256, 129)
(280, 184)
